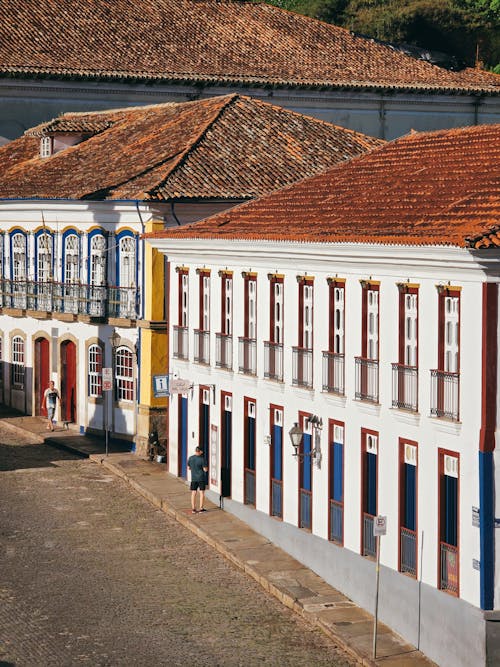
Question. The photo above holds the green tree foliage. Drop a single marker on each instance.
(465, 29)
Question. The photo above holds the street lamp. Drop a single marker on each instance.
(114, 340)
(296, 434)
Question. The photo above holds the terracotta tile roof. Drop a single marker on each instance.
(70, 124)
(230, 147)
(209, 41)
(436, 188)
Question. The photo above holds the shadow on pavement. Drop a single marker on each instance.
(21, 457)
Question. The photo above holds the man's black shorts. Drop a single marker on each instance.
(197, 485)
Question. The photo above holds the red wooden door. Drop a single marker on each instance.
(42, 373)
(68, 381)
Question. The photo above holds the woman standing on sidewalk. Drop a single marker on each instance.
(50, 398)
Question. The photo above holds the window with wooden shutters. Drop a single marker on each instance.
(405, 370)
(367, 366)
(445, 380)
(95, 371)
(273, 358)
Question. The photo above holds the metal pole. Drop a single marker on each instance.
(106, 408)
(375, 621)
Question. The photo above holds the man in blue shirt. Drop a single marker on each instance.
(198, 466)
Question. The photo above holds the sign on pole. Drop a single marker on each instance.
(380, 526)
(107, 379)
(160, 385)
(180, 386)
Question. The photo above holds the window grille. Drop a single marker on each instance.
(98, 260)
(19, 257)
(127, 261)
(18, 362)
(46, 145)
(124, 374)
(71, 258)
(95, 371)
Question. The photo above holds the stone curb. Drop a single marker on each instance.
(288, 601)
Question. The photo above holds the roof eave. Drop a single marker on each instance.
(213, 80)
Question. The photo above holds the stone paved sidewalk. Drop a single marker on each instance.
(278, 573)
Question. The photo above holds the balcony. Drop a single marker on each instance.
(408, 543)
(224, 351)
(336, 533)
(445, 394)
(369, 547)
(366, 379)
(405, 387)
(277, 498)
(333, 373)
(302, 367)
(305, 509)
(449, 568)
(180, 342)
(71, 298)
(273, 361)
(247, 355)
(201, 346)
(249, 487)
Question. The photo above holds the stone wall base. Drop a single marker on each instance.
(150, 419)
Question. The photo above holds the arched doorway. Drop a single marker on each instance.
(68, 381)
(42, 372)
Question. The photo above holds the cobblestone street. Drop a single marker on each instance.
(93, 574)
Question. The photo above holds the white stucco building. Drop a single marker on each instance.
(77, 193)
(362, 306)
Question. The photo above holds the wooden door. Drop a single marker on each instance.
(68, 381)
(42, 373)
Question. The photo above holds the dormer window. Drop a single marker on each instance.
(46, 147)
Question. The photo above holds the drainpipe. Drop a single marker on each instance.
(137, 347)
(173, 213)
(487, 444)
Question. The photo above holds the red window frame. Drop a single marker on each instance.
(442, 294)
(332, 423)
(367, 287)
(273, 280)
(402, 443)
(364, 433)
(180, 273)
(441, 454)
(333, 284)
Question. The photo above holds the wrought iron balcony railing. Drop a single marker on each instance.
(72, 298)
(180, 342)
(202, 346)
(449, 568)
(224, 351)
(273, 361)
(333, 373)
(336, 521)
(277, 498)
(249, 486)
(247, 355)
(369, 541)
(305, 509)
(367, 379)
(302, 367)
(408, 551)
(405, 387)
(445, 388)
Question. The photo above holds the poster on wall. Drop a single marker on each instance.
(214, 455)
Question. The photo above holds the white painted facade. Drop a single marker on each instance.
(26, 103)
(81, 279)
(64, 296)
(451, 441)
